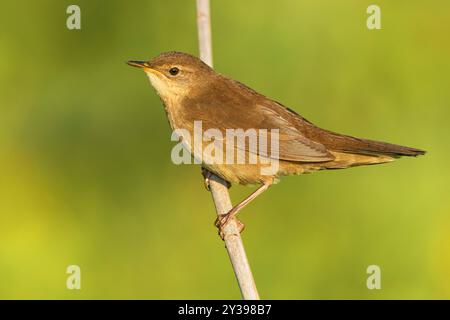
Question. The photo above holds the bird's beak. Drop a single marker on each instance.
(144, 66)
(138, 64)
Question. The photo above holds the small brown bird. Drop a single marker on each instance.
(192, 91)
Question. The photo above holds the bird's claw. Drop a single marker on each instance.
(207, 176)
(223, 220)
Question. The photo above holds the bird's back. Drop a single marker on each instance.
(332, 141)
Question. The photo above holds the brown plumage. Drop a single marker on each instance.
(196, 92)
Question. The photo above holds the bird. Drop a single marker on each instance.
(192, 91)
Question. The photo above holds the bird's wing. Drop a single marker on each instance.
(293, 145)
(226, 114)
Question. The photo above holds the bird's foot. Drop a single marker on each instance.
(207, 176)
(224, 219)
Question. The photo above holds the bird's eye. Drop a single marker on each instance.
(174, 71)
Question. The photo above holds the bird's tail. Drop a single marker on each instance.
(350, 144)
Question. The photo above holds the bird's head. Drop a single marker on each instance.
(175, 74)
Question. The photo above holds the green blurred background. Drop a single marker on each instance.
(86, 176)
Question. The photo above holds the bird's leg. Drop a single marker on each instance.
(207, 176)
(222, 220)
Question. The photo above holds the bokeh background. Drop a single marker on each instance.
(86, 176)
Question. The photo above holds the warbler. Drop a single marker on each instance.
(192, 91)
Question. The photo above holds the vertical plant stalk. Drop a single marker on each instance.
(218, 187)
